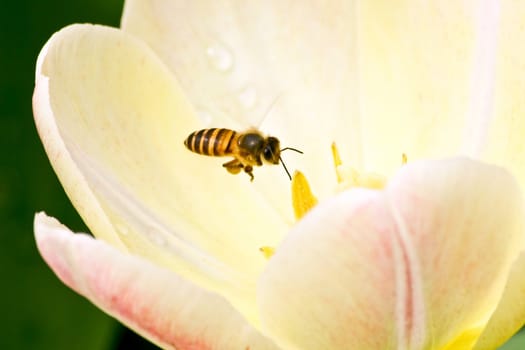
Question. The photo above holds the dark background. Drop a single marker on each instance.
(37, 311)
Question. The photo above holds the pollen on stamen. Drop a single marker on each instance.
(404, 159)
(267, 252)
(337, 162)
(302, 197)
(348, 177)
(303, 200)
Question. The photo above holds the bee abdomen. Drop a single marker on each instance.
(211, 142)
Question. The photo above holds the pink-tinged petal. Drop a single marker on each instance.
(156, 303)
(461, 224)
(236, 58)
(509, 316)
(406, 267)
(113, 120)
(332, 283)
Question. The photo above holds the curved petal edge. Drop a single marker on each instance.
(154, 302)
(70, 175)
(402, 268)
(509, 315)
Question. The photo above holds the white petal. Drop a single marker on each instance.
(397, 269)
(462, 225)
(426, 69)
(504, 141)
(113, 121)
(331, 284)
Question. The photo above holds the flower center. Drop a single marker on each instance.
(348, 177)
(303, 200)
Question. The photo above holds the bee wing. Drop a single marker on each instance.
(236, 114)
(269, 109)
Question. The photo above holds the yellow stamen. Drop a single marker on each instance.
(371, 180)
(337, 162)
(268, 252)
(465, 340)
(302, 197)
(404, 159)
(348, 177)
(302, 201)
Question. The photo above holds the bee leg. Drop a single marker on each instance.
(249, 170)
(233, 166)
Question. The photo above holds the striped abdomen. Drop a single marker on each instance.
(212, 142)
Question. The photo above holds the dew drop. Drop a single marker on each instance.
(220, 57)
(248, 97)
(156, 237)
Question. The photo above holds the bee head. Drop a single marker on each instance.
(271, 150)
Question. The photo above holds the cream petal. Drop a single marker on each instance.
(509, 316)
(156, 303)
(236, 58)
(113, 120)
(504, 142)
(71, 177)
(426, 71)
(401, 268)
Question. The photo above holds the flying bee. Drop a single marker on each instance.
(250, 148)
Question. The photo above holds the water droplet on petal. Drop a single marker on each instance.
(220, 57)
(156, 237)
(248, 97)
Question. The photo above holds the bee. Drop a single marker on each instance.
(250, 148)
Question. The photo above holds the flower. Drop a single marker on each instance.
(433, 260)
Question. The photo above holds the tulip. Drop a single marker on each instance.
(383, 246)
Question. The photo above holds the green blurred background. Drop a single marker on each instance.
(38, 312)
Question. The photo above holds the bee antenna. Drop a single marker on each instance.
(292, 149)
(284, 165)
(286, 169)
